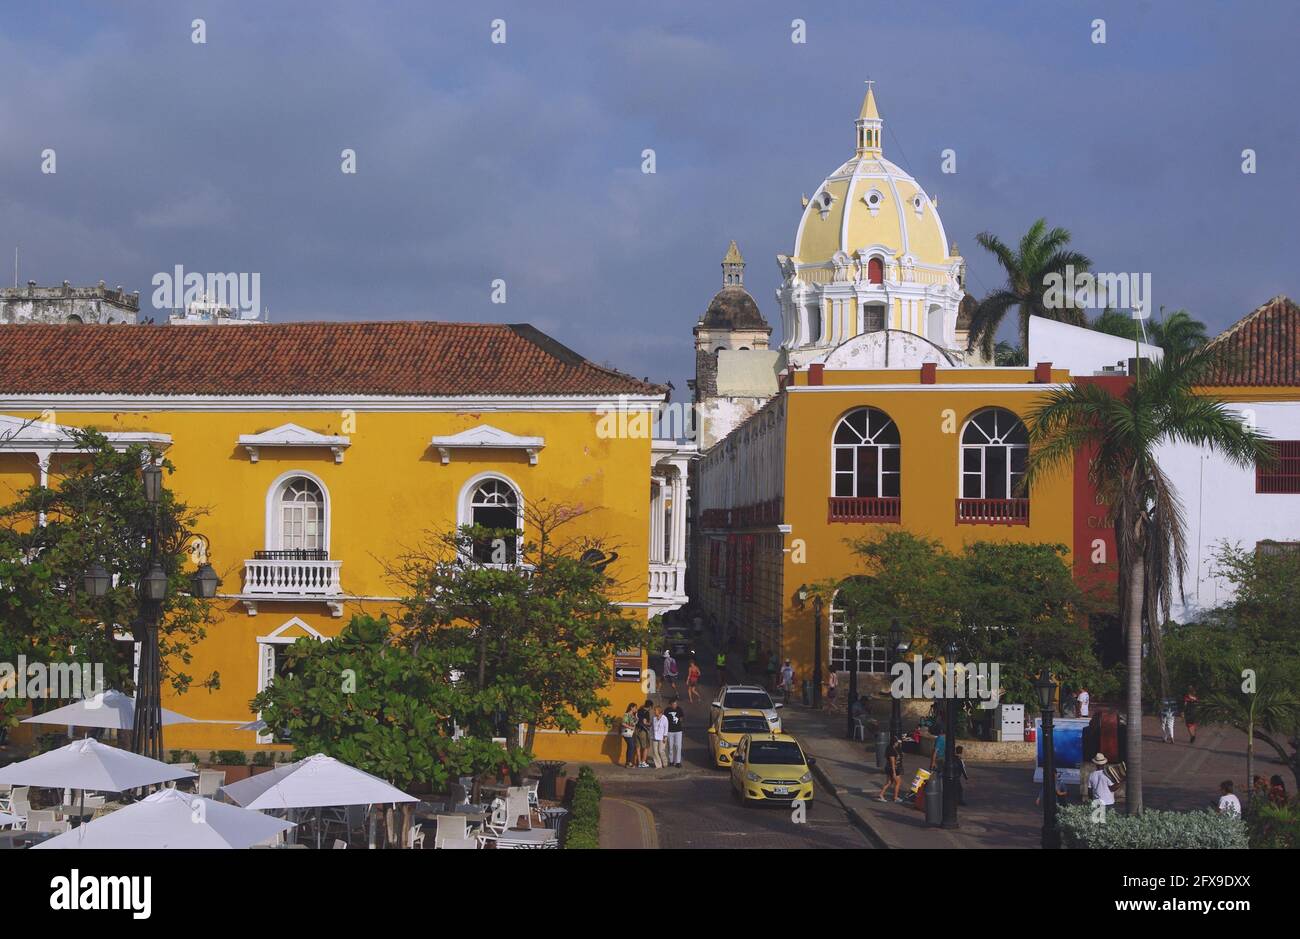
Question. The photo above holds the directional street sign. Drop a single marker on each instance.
(627, 668)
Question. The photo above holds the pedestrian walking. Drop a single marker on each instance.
(1168, 717)
(692, 679)
(940, 741)
(1190, 704)
(676, 727)
(1229, 804)
(670, 671)
(721, 662)
(629, 733)
(1099, 785)
(787, 680)
(660, 729)
(893, 771)
(832, 685)
(644, 733)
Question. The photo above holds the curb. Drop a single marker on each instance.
(855, 818)
(649, 836)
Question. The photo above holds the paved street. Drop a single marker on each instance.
(692, 807)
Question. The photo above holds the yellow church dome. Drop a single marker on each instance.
(868, 203)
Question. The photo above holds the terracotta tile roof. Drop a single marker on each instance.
(1263, 348)
(333, 358)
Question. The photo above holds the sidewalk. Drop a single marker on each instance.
(1000, 810)
(626, 825)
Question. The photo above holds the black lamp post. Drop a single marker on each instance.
(151, 590)
(950, 738)
(801, 597)
(1046, 691)
(895, 705)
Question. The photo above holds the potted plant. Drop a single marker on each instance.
(233, 762)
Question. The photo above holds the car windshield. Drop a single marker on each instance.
(781, 752)
(758, 700)
(743, 725)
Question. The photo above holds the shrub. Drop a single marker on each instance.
(1151, 829)
(229, 758)
(1272, 826)
(584, 812)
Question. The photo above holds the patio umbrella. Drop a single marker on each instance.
(171, 819)
(89, 764)
(315, 782)
(112, 710)
(7, 819)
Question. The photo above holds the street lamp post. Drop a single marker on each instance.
(817, 652)
(151, 591)
(895, 705)
(1046, 690)
(950, 737)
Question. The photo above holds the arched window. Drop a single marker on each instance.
(867, 455)
(994, 449)
(869, 654)
(875, 271)
(300, 516)
(495, 503)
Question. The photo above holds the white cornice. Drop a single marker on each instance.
(293, 435)
(950, 388)
(485, 436)
(24, 434)
(484, 403)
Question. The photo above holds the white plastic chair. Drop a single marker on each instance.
(38, 817)
(499, 818)
(339, 844)
(451, 828)
(18, 804)
(210, 780)
(460, 844)
(415, 838)
(517, 805)
(532, 786)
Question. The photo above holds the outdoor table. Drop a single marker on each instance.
(529, 838)
(550, 773)
(23, 839)
(552, 814)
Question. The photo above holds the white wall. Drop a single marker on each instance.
(1220, 504)
(1083, 351)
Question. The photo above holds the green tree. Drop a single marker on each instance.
(1267, 712)
(94, 510)
(533, 639)
(1124, 433)
(1013, 604)
(1040, 254)
(1178, 333)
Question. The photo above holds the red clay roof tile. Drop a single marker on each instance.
(332, 358)
(1263, 348)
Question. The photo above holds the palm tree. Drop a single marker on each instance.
(1041, 253)
(1124, 433)
(1268, 714)
(1177, 332)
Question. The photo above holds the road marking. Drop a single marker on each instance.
(649, 835)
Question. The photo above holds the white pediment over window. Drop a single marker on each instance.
(25, 434)
(485, 436)
(292, 435)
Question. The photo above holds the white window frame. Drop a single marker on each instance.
(465, 511)
(997, 441)
(266, 656)
(871, 650)
(881, 472)
(273, 533)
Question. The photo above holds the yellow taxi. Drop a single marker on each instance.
(769, 767)
(728, 727)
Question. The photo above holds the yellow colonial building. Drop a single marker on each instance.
(320, 452)
(871, 415)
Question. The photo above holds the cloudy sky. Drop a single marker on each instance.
(522, 160)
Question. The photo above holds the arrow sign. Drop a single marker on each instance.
(627, 674)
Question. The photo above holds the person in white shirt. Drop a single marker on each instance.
(660, 745)
(1229, 804)
(1082, 702)
(1099, 790)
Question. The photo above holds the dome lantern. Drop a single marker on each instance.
(733, 267)
(869, 125)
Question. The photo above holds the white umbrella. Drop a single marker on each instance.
(317, 781)
(89, 764)
(109, 709)
(171, 819)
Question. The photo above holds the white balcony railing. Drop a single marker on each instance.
(283, 579)
(667, 581)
